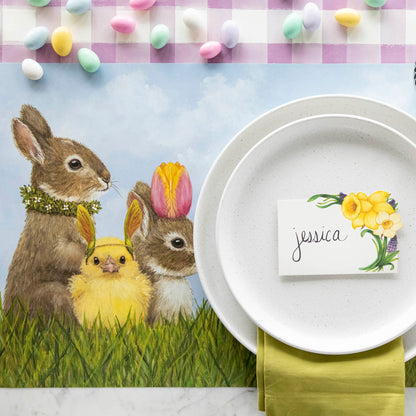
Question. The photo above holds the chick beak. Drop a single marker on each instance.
(110, 266)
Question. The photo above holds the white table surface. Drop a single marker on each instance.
(140, 401)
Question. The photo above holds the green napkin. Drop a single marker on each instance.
(297, 383)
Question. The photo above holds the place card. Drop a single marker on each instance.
(338, 234)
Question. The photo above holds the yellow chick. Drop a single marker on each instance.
(110, 284)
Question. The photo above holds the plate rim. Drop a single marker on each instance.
(308, 104)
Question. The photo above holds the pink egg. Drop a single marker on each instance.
(123, 24)
(210, 49)
(142, 4)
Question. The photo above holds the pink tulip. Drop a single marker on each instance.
(171, 190)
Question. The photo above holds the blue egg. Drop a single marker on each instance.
(36, 38)
(78, 6)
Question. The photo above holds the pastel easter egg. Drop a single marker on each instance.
(159, 36)
(89, 60)
(348, 17)
(123, 24)
(141, 4)
(376, 3)
(230, 33)
(78, 6)
(61, 40)
(210, 49)
(32, 69)
(193, 19)
(39, 3)
(36, 37)
(311, 16)
(292, 25)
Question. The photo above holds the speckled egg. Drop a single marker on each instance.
(210, 49)
(141, 4)
(159, 36)
(36, 37)
(230, 33)
(292, 25)
(376, 3)
(311, 17)
(61, 40)
(89, 60)
(348, 17)
(78, 6)
(123, 24)
(32, 69)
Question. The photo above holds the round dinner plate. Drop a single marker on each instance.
(334, 314)
(210, 272)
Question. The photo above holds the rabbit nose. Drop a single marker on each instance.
(110, 266)
(105, 176)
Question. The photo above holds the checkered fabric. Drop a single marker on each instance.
(386, 35)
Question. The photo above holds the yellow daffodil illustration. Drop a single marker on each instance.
(374, 214)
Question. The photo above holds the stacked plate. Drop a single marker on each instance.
(315, 145)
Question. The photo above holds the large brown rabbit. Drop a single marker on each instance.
(164, 249)
(50, 249)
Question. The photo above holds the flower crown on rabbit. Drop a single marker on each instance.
(171, 190)
(87, 229)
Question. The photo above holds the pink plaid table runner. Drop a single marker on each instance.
(387, 35)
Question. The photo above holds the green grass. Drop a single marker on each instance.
(194, 352)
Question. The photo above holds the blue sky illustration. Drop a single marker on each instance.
(137, 116)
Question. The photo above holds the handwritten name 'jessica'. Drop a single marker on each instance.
(327, 236)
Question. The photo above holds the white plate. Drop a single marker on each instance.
(321, 154)
(209, 268)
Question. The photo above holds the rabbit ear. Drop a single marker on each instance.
(26, 142)
(132, 223)
(33, 119)
(86, 229)
(144, 226)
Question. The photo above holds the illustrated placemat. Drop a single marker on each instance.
(135, 121)
(387, 35)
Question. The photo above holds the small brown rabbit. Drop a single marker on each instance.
(50, 249)
(163, 248)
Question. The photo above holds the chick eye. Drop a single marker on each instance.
(96, 260)
(178, 242)
(122, 259)
(75, 164)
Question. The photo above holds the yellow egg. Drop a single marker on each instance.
(348, 17)
(62, 41)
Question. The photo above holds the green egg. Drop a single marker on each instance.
(39, 3)
(159, 36)
(292, 25)
(88, 60)
(376, 3)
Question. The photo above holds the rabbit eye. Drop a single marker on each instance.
(96, 261)
(122, 259)
(75, 164)
(178, 242)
